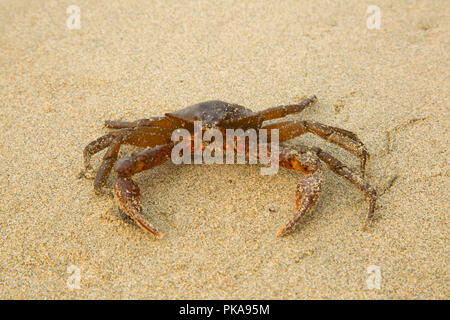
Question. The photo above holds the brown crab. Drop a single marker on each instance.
(155, 134)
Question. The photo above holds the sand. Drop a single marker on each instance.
(136, 59)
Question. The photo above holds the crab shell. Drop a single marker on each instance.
(217, 114)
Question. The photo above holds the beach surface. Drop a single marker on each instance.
(129, 60)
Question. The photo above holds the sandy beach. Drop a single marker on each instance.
(128, 60)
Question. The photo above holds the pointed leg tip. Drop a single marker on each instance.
(149, 228)
(281, 233)
(368, 225)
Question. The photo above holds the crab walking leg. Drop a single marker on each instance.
(109, 159)
(308, 190)
(127, 192)
(98, 145)
(135, 138)
(343, 138)
(282, 111)
(341, 169)
(106, 140)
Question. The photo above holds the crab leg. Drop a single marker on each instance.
(109, 159)
(99, 144)
(135, 138)
(282, 111)
(106, 140)
(341, 169)
(308, 190)
(343, 138)
(127, 192)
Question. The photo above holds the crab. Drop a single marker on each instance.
(155, 135)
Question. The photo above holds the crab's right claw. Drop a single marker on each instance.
(127, 192)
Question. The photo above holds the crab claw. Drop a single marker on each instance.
(127, 192)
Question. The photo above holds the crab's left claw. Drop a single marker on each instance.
(127, 192)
